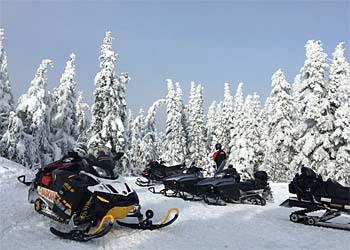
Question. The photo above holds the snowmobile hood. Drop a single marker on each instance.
(116, 186)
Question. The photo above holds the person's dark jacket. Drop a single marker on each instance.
(219, 156)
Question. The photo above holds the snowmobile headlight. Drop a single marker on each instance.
(101, 172)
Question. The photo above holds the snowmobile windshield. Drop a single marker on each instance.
(104, 165)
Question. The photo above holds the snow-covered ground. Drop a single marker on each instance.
(199, 226)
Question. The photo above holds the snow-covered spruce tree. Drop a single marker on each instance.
(13, 142)
(279, 147)
(123, 111)
(254, 133)
(82, 118)
(238, 122)
(197, 128)
(315, 123)
(143, 142)
(108, 111)
(227, 117)
(150, 151)
(339, 97)
(220, 131)
(211, 127)
(175, 141)
(137, 134)
(64, 118)
(243, 156)
(34, 111)
(6, 97)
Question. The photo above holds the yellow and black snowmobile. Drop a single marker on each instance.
(89, 196)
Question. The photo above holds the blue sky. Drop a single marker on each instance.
(208, 42)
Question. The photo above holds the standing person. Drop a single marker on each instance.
(219, 155)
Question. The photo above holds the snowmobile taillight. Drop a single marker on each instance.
(298, 196)
(46, 179)
(143, 173)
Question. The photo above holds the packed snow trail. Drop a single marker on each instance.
(199, 226)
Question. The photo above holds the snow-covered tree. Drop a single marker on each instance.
(13, 143)
(227, 117)
(280, 141)
(315, 123)
(34, 111)
(175, 142)
(150, 138)
(238, 121)
(196, 126)
(108, 111)
(82, 125)
(339, 98)
(64, 121)
(137, 134)
(244, 151)
(6, 97)
(211, 127)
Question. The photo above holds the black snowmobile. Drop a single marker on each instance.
(225, 186)
(88, 196)
(181, 185)
(155, 171)
(313, 194)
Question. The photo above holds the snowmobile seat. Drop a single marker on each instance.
(247, 185)
(336, 190)
(261, 175)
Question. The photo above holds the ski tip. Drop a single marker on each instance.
(285, 203)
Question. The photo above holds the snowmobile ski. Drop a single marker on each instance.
(310, 206)
(81, 235)
(22, 179)
(147, 223)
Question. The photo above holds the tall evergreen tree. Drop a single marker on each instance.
(243, 156)
(238, 121)
(339, 98)
(196, 126)
(315, 123)
(108, 111)
(150, 138)
(64, 120)
(175, 142)
(13, 143)
(280, 141)
(82, 118)
(211, 127)
(227, 117)
(34, 111)
(6, 97)
(137, 135)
